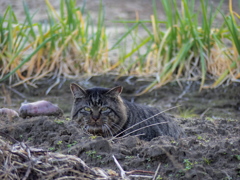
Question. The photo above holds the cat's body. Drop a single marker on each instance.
(103, 112)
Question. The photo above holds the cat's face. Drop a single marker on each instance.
(99, 111)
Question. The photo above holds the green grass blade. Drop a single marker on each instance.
(234, 31)
(146, 40)
(27, 58)
(29, 19)
(124, 36)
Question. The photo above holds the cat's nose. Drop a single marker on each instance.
(95, 118)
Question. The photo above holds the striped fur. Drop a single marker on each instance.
(102, 111)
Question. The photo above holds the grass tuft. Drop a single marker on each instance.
(67, 45)
(186, 46)
(183, 46)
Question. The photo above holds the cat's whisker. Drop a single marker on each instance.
(142, 128)
(136, 135)
(108, 129)
(117, 127)
(144, 121)
(103, 131)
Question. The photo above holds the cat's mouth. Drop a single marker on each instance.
(95, 122)
(98, 127)
(96, 130)
(94, 126)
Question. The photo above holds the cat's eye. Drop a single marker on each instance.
(104, 109)
(87, 109)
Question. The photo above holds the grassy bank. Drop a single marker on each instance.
(184, 46)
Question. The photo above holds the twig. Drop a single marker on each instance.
(28, 171)
(8, 137)
(69, 177)
(17, 92)
(52, 86)
(141, 176)
(204, 112)
(184, 92)
(156, 172)
(123, 173)
(139, 171)
(40, 171)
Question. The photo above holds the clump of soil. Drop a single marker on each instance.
(210, 149)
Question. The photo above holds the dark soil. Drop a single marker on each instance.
(211, 149)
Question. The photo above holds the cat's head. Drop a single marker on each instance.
(100, 111)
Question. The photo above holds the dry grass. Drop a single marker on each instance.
(178, 48)
(19, 161)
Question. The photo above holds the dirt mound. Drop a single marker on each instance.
(210, 150)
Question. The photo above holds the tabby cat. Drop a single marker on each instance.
(104, 112)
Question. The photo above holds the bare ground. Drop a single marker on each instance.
(210, 150)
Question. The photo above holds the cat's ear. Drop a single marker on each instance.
(77, 91)
(116, 91)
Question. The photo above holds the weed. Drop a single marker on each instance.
(207, 161)
(202, 138)
(92, 137)
(58, 121)
(99, 157)
(70, 145)
(59, 143)
(238, 157)
(232, 120)
(129, 157)
(91, 153)
(148, 164)
(188, 164)
(199, 137)
(209, 119)
(227, 178)
(51, 149)
(180, 173)
(159, 177)
(186, 113)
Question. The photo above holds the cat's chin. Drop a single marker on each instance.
(95, 130)
(99, 131)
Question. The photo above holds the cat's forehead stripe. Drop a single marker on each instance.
(95, 99)
(96, 96)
